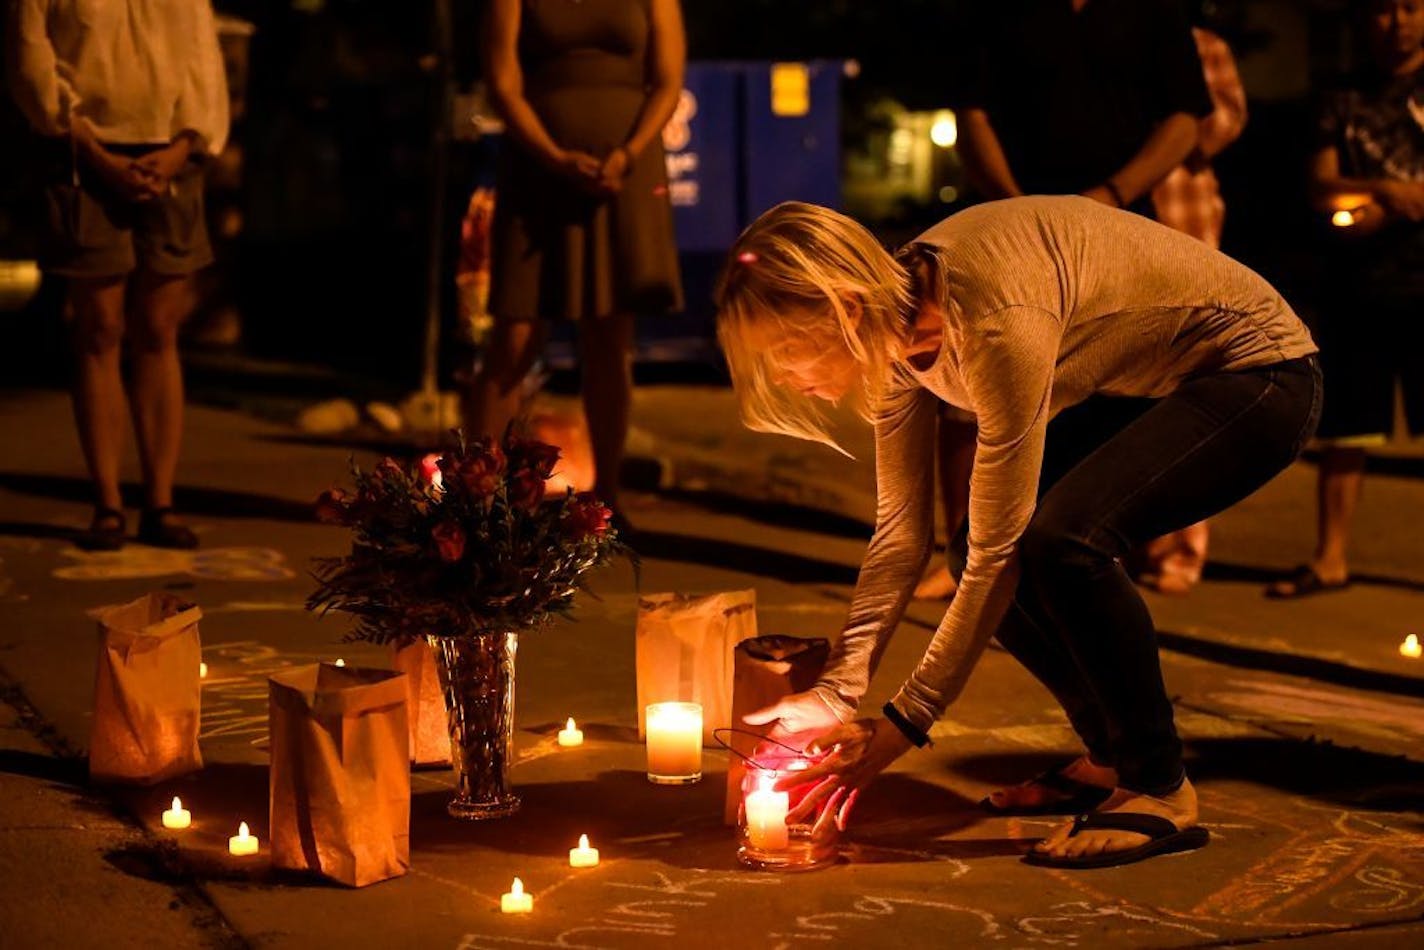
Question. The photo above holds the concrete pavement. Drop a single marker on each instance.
(1312, 787)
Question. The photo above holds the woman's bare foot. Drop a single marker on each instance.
(937, 584)
(1180, 808)
(1034, 794)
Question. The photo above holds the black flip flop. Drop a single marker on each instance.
(1166, 838)
(158, 529)
(1079, 797)
(1305, 582)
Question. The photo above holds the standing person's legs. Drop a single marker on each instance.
(606, 364)
(1198, 451)
(97, 335)
(158, 305)
(497, 390)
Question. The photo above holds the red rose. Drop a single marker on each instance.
(331, 506)
(481, 469)
(526, 489)
(539, 456)
(449, 541)
(586, 517)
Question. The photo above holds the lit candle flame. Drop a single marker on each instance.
(340, 661)
(517, 887)
(202, 670)
(242, 831)
(1410, 647)
(1342, 218)
(583, 842)
(570, 724)
(177, 805)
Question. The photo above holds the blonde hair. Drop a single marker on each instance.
(792, 273)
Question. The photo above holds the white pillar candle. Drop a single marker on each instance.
(516, 901)
(243, 843)
(674, 743)
(1410, 647)
(583, 856)
(570, 735)
(177, 817)
(766, 816)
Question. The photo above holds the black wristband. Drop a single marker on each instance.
(906, 727)
(1117, 195)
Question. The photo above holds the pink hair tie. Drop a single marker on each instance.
(747, 257)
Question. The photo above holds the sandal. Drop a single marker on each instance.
(160, 528)
(1305, 582)
(105, 532)
(1078, 797)
(1165, 838)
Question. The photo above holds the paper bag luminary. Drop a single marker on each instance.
(147, 692)
(425, 703)
(684, 652)
(340, 773)
(764, 670)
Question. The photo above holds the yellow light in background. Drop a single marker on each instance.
(790, 89)
(1342, 218)
(945, 130)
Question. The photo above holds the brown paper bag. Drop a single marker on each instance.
(763, 671)
(147, 692)
(425, 703)
(684, 652)
(340, 773)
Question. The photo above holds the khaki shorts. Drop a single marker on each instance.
(92, 233)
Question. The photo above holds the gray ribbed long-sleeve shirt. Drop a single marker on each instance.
(1046, 301)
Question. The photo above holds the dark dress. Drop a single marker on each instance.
(558, 252)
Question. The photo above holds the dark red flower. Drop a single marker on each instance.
(539, 456)
(585, 517)
(481, 469)
(331, 506)
(526, 489)
(449, 541)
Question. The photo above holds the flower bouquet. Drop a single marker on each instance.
(464, 550)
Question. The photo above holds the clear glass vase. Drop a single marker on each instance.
(477, 677)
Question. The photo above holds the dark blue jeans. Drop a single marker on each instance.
(1118, 473)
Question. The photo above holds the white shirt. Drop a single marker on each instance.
(139, 71)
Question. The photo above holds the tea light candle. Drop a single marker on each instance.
(583, 856)
(516, 901)
(1410, 647)
(202, 670)
(243, 843)
(674, 743)
(340, 661)
(1342, 218)
(177, 817)
(570, 735)
(766, 815)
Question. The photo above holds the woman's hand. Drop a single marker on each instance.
(856, 753)
(614, 170)
(794, 715)
(579, 167)
(162, 165)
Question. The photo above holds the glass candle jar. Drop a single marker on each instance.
(766, 840)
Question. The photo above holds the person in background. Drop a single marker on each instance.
(1369, 167)
(1189, 200)
(1094, 97)
(582, 221)
(128, 98)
